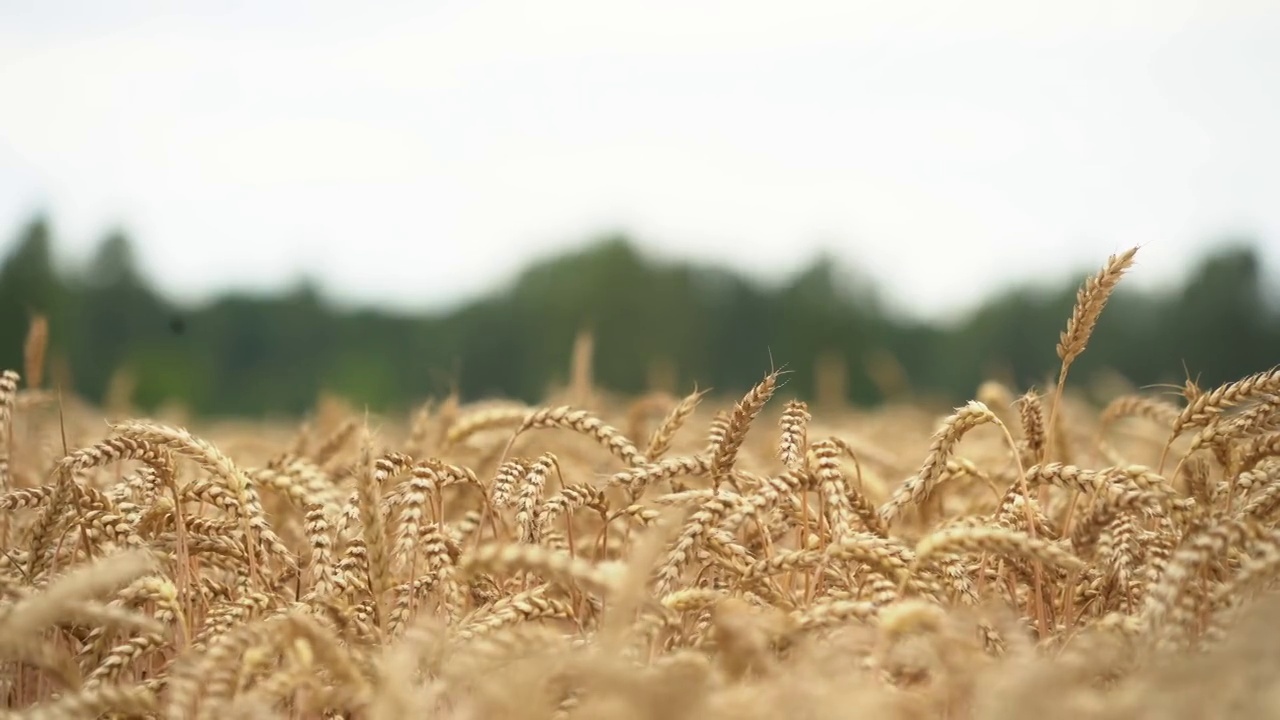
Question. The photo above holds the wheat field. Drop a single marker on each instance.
(1028, 554)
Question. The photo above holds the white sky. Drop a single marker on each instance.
(418, 153)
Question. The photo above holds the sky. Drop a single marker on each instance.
(415, 154)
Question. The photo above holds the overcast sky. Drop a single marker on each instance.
(421, 152)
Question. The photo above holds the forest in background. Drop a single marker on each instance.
(654, 326)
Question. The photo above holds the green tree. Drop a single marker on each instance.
(1220, 322)
(29, 284)
(115, 312)
(273, 353)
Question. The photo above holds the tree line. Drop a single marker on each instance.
(653, 324)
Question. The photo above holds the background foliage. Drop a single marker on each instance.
(653, 324)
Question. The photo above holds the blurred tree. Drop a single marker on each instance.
(826, 310)
(113, 265)
(1220, 322)
(29, 284)
(705, 325)
(114, 312)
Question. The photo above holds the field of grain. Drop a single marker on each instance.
(1028, 554)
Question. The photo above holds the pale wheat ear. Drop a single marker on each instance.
(1031, 414)
(725, 451)
(373, 525)
(34, 351)
(1090, 301)
(663, 435)
(794, 442)
(8, 395)
(581, 375)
